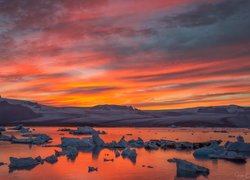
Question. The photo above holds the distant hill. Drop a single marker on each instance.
(15, 112)
(29, 113)
(108, 107)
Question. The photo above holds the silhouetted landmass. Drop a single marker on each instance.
(13, 113)
(28, 113)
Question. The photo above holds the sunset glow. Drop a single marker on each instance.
(161, 55)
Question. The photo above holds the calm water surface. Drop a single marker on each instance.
(124, 168)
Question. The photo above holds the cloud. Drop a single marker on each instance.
(202, 14)
(195, 99)
(193, 73)
(100, 46)
(89, 90)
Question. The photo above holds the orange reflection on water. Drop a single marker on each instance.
(121, 168)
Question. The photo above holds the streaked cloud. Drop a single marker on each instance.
(151, 54)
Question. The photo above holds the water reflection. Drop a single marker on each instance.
(121, 168)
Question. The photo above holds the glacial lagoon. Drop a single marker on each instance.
(149, 164)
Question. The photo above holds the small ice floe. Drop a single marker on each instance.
(22, 163)
(239, 146)
(37, 139)
(139, 143)
(165, 144)
(22, 141)
(51, 159)
(83, 131)
(117, 153)
(2, 129)
(106, 160)
(71, 152)
(97, 140)
(17, 128)
(40, 139)
(101, 132)
(147, 166)
(187, 169)
(230, 156)
(59, 153)
(121, 144)
(130, 154)
(94, 141)
(77, 142)
(151, 145)
(91, 169)
(64, 129)
(184, 145)
(21, 128)
(25, 130)
(39, 159)
(205, 152)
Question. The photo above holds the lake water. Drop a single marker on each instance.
(123, 168)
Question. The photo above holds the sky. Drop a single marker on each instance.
(152, 54)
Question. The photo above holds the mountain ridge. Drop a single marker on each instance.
(33, 113)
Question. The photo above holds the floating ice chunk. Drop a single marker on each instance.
(97, 140)
(59, 153)
(25, 130)
(40, 139)
(151, 145)
(205, 152)
(64, 129)
(83, 130)
(139, 143)
(51, 159)
(18, 127)
(130, 154)
(91, 169)
(184, 145)
(229, 155)
(187, 169)
(77, 142)
(39, 159)
(237, 146)
(122, 143)
(37, 139)
(22, 163)
(71, 152)
(22, 141)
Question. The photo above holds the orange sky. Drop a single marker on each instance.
(150, 54)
